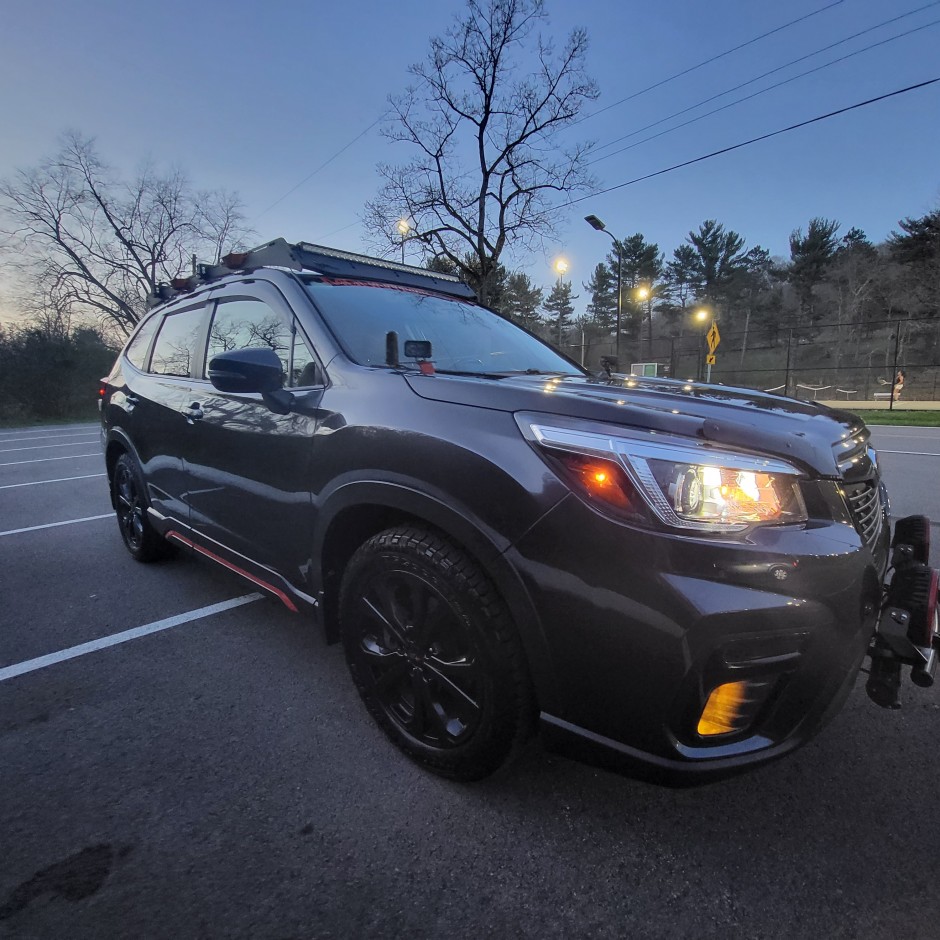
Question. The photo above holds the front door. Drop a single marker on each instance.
(249, 489)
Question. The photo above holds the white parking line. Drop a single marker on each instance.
(53, 525)
(10, 450)
(13, 486)
(16, 463)
(31, 665)
(44, 437)
(910, 453)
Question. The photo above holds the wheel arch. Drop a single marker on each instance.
(363, 509)
(117, 445)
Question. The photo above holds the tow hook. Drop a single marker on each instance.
(908, 633)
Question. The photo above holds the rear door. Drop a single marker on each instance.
(156, 397)
(249, 469)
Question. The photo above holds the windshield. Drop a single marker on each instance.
(464, 338)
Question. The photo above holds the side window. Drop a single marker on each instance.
(248, 324)
(252, 324)
(305, 371)
(139, 346)
(172, 353)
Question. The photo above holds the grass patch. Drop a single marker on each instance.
(14, 417)
(930, 419)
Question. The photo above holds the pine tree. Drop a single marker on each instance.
(560, 304)
(719, 256)
(521, 300)
(602, 308)
(810, 255)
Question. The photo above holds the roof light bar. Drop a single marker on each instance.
(375, 262)
(304, 256)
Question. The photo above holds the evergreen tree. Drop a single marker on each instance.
(918, 249)
(522, 300)
(810, 255)
(560, 307)
(681, 285)
(602, 308)
(719, 257)
(642, 266)
(468, 271)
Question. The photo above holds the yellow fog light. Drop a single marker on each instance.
(726, 709)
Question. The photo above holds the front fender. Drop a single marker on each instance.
(400, 499)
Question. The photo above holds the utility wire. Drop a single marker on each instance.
(325, 164)
(753, 140)
(643, 91)
(755, 94)
(714, 58)
(780, 68)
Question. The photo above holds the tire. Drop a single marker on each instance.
(129, 496)
(434, 653)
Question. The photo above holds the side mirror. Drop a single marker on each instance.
(247, 370)
(244, 371)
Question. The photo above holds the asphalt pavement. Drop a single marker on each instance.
(180, 758)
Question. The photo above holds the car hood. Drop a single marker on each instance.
(820, 439)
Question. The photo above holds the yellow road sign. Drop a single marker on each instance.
(713, 338)
(710, 360)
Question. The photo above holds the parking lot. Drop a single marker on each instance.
(180, 757)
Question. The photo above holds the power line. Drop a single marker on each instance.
(780, 68)
(323, 166)
(714, 58)
(753, 140)
(755, 94)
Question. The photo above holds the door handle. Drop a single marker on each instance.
(194, 412)
(131, 400)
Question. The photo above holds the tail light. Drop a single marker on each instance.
(914, 589)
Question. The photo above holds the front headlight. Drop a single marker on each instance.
(690, 486)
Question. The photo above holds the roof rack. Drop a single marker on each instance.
(318, 259)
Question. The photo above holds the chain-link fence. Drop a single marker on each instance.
(849, 361)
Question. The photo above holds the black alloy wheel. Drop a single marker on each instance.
(130, 503)
(434, 653)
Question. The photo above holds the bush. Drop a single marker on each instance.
(51, 377)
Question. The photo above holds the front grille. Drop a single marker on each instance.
(864, 501)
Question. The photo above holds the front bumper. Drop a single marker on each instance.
(641, 626)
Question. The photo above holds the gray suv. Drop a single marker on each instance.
(677, 579)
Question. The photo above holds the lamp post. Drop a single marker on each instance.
(596, 224)
(561, 267)
(404, 227)
(702, 315)
(646, 293)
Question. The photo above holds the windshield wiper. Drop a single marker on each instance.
(537, 372)
(482, 375)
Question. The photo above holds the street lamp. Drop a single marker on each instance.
(597, 225)
(561, 267)
(404, 227)
(702, 315)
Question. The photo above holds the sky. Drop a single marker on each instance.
(255, 97)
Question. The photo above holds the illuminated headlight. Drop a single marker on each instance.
(690, 486)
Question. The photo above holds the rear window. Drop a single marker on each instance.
(463, 336)
(173, 351)
(139, 346)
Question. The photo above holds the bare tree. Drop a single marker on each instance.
(483, 120)
(92, 243)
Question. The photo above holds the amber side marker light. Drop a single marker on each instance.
(729, 708)
(601, 479)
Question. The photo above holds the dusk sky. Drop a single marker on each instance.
(256, 96)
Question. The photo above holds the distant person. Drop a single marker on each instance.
(898, 386)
